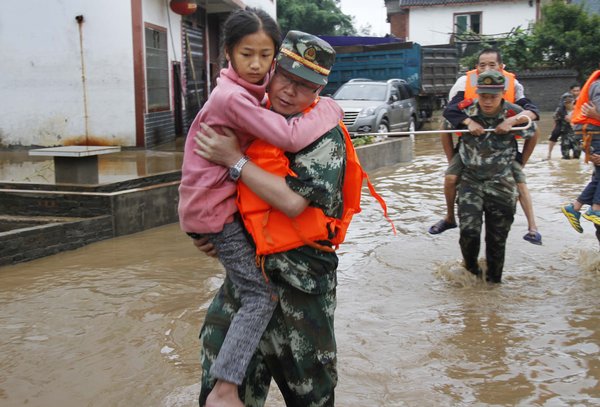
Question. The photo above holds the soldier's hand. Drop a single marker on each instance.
(504, 127)
(204, 246)
(475, 128)
(595, 159)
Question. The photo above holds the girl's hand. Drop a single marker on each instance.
(216, 148)
(589, 109)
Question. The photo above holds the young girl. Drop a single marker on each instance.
(207, 191)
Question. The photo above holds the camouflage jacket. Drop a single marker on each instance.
(320, 171)
(564, 126)
(488, 158)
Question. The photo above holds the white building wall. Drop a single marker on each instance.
(41, 87)
(270, 6)
(433, 25)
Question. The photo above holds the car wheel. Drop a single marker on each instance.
(383, 126)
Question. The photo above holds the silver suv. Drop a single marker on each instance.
(377, 107)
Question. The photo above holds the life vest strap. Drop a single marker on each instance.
(309, 242)
(375, 195)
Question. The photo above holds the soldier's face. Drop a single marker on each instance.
(575, 91)
(490, 103)
(289, 94)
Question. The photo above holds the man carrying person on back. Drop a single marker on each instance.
(462, 93)
(487, 185)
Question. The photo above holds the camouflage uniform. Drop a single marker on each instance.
(298, 347)
(487, 186)
(568, 139)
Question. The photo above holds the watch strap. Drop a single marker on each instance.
(236, 170)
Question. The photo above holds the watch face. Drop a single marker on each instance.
(234, 173)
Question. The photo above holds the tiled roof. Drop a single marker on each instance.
(409, 3)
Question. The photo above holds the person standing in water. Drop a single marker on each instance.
(208, 191)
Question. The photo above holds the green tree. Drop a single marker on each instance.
(319, 17)
(566, 37)
(520, 51)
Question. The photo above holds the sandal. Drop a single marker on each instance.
(441, 226)
(533, 236)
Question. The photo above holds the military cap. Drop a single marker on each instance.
(306, 56)
(490, 82)
(567, 96)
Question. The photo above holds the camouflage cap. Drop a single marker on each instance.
(490, 82)
(567, 96)
(306, 56)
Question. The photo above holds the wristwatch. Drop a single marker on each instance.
(236, 171)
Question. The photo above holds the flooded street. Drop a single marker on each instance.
(116, 323)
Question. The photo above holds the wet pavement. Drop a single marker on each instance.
(17, 166)
(115, 323)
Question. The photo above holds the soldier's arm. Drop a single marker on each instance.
(459, 119)
(528, 147)
(514, 121)
(225, 150)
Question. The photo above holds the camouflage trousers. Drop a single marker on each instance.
(473, 204)
(297, 350)
(569, 141)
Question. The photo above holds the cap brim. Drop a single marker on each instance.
(296, 68)
(492, 91)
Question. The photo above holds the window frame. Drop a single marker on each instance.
(150, 51)
(469, 29)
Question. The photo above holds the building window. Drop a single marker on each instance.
(467, 23)
(157, 69)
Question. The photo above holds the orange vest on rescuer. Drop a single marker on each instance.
(471, 85)
(577, 117)
(275, 232)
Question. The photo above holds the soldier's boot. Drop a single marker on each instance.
(474, 269)
(493, 276)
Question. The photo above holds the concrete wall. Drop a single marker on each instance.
(434, 25)
(27, 244)
(68, 219)
(41, 97)
(389, 152)
(544, 88)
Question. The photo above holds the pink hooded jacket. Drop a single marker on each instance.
(206, 193)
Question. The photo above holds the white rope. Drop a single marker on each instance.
(408, 133)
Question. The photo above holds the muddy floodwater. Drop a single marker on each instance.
(116, 323)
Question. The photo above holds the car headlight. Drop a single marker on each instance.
(367, 111)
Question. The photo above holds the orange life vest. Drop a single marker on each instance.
(471, 85)
(577, 117)
(275, 232)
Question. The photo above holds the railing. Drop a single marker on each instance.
(417, 132)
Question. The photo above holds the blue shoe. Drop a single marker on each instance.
(572, 216)
(533, 236)
(592, 216)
